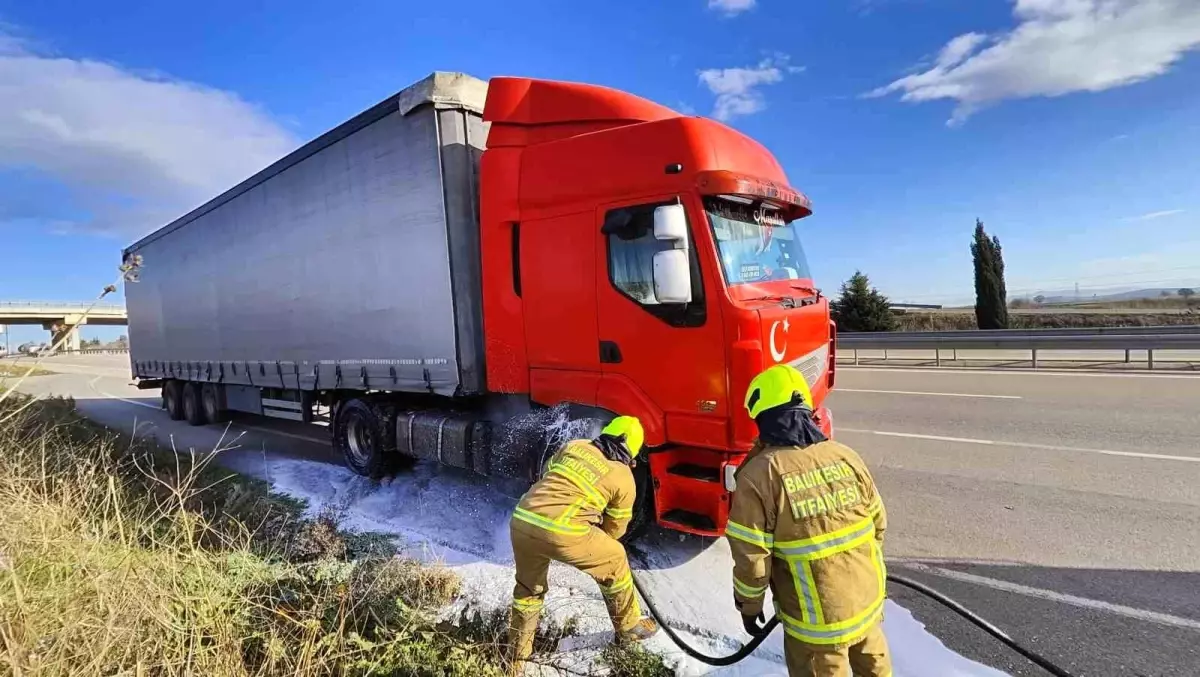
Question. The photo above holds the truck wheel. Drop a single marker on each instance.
(210, 400)
(172, 396)
(643, 506)
(365, 435)
(193, 410)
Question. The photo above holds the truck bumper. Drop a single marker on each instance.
(693, 487)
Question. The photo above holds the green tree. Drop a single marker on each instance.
(1039, 299)
(1187, 293)
(861, 307)
(991, 308)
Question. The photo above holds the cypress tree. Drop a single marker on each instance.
(991, 303)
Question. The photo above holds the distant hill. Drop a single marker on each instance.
(1053, 297)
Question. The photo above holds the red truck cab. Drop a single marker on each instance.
(643, 262)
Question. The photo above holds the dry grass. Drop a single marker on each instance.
(14, 369)
(631, 660)
(119, 559)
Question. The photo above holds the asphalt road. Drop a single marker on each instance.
(1064, 507)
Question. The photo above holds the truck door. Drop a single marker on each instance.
(655, 356)
(558, 287)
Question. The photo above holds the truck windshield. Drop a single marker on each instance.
(755, 246)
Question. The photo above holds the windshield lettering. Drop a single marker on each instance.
(755, 243)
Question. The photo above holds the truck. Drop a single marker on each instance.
(470, 272)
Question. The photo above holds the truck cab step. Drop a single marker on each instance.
(692, 520)
(696, 472)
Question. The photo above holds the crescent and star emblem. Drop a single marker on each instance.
(777, 354)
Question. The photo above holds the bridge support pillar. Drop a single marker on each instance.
(65, 331)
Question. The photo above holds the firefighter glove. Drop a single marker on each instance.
(754, 624)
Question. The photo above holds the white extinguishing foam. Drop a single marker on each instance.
(460, 520)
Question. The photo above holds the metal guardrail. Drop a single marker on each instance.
(95, 351)
(1022, 333)
(82, 351)
(61, 304)
(1181, 337)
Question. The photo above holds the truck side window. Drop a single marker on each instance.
(631, 248)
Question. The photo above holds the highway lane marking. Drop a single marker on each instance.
(92, 385)
(1061, 597)
(281, 433)
(1026, 445)
(921, 392)
(147, 405)
(1024, 372)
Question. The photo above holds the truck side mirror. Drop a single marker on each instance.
(670, 223)
(672, 275)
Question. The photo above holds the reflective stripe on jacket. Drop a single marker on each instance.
(809, 523)
(581, 489)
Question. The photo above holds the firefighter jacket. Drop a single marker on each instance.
(809, 523)
(580, 490)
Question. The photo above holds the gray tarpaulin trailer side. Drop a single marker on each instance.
(351, 263)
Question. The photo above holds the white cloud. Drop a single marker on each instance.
(1058, 47)
(731, 7)
(134, 150)
(738, 89)
(1156, 215)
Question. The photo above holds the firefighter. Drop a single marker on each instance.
(808, 523)
(574, 515)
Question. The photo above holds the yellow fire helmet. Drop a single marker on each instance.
(631, 429)
(776, 386)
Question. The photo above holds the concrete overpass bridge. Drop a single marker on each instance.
(62, 319)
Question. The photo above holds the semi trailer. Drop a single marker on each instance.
(443, 275)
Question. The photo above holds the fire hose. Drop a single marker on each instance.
(749, 648)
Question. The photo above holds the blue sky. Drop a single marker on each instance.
(1071, 127)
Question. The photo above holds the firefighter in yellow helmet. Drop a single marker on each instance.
(574, 515)
(808, 523)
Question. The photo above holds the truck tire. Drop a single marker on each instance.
(172, 396)
(365, 435)
(643, 506)
(193, 410)
(210, 401)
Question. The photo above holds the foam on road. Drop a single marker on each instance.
(460, 519)
(1061, 506)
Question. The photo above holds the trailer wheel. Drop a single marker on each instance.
(365, 435)
(210, 400)
(193, 410)
(172, 397)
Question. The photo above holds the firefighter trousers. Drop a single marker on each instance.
(868, 657)
(596, 554)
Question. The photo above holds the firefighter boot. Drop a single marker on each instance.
(522, 628)
(643, 630)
